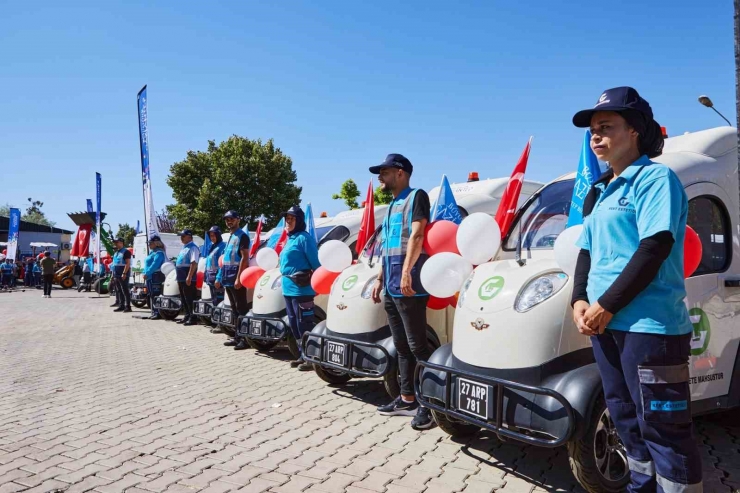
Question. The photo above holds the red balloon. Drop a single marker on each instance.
(221, 261)
(441, 236)
(5, 251)
(199, 280)
(435, 303)
(692, 252)
(322, 279)
(250, 276)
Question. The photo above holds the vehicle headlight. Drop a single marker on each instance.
(464, 290)
(367, 289)
(277, 283)
(538, 290)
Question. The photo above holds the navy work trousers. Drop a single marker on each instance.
(301, 316)
(646, 386)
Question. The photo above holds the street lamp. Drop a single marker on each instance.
(709, 104)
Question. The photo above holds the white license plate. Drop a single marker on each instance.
(255, 327)
(165, 303)
(336, 353)
(473, 397)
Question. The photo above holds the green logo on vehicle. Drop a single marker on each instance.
(264, 280)
(702, 331)
(490, 288)
(349, 283)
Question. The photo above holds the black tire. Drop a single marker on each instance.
(454, 427)
(99, 288)
(331, 376)
(169, 314)
(67, 283)
(140, 304)
(598, 460)
(392, 383)
(262, 346)
(293, 346)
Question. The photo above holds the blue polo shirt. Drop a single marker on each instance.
(299, 253)
(645, 199)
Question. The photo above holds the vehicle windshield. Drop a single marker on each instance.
(544, 218)
(322, 230)
(327, 233)
(373, 247)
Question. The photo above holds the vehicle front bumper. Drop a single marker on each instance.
(139, 293)
(267, 327)
(202, 308)
(224, 316)
(172, 303)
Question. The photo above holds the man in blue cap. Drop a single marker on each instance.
(121, 267)
(186, 268)
(405, 299)
(236, 259)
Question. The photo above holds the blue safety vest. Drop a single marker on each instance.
(6, 269)
(212, 262)
(396, 234)
(232, 257)
(118, 263)
(189, 253)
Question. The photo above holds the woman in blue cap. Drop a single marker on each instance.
(298, 259)
(214, 253)
(153, 276)
(629, 290)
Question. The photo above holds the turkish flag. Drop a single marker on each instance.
(281, 242)
(82, 241)
(256, 242)
(367, 226)
(510, 198)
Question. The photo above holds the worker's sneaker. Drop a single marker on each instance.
(399, 408)
(156, 317)
(305, 367)
(217, 330)
(423, 419)
(190, 321)
(119, 309)
(242, 344)
(296, 363)
(114, 305)
(230, 342)
(127, 309)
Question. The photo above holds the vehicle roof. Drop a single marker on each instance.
(483, 195)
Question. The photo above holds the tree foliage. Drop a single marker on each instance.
(382, 197)
(248, 176)
(165, 222)
(33, 213)
(127, 233)
(349, 194)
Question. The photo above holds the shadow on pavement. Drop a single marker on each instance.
(370, 391)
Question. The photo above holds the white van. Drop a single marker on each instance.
(525, 372)
(355, 340)
(266, 324)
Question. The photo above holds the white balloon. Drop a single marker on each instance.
(478, 238)
(202, 264)
(267, 258)
(167, 267)
(566, 251)
(253, 261)
(443, 274)
(335, 256)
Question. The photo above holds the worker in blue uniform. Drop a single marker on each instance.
(629, 290)
(121, 267)
(152, 274)
(236, 259)
(186, 268)
(298, 259)
(209, 276)
(6, 273)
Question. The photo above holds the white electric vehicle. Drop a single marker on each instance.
(266, 325)
(519, 367)
(172, 244)
(168, 303)
(355, 340)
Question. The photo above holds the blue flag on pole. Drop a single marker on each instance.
(588, 172)
(445, 207)
(98, 193)
(13, 231)
(272, 241)
(89, 206)
(310, 225)
(206, 247)
(138, 227)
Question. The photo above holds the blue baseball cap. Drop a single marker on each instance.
(155, 238)
(294, 211)
(398, 161)
(616, 99)
(215, 229)
(185, 232)
(231, 214)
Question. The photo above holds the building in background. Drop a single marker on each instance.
(35, 233)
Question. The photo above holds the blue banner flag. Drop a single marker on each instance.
(310, 225)
(138, 227)
(588, 172)
(206, 247)
(13, 231)
(89, 206)
(150, 217)
(272, 241)
(445, 207)
(98, 191)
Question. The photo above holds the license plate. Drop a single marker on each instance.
(336, 353)
(255, 327)
(473, 397)
(165, 303)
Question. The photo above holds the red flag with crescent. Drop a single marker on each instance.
(509, 200)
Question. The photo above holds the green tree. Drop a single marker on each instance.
(33, 213)
(349, 193)
(127, 233)
(381, 196)
(249, 176)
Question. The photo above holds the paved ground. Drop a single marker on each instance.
(94, 400)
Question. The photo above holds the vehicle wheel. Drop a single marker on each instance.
(293, 346)
(206, 321)
(598, 460)
(332, 376)
(169, 314)
(67, 283)
(392, 383)
(454, 427)
(140, 303)
(99, 287)
(262, 346)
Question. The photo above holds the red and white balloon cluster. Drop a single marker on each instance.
(453, 252)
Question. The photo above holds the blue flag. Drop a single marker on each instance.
(138, 227)
(89, 205)
(588, 172)
(13, 231)
(310, 226)
(272, 241)
(206, 247)
(445, 207)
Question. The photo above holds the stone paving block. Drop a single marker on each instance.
(80, 474)
(203, 479)
(13, 475)
(321, 470)
(395, 466)
(47, 486)
(40, 467)
(375, 481)
(119, 472)
(258, 485)
(296, 484)
(414, 479)
(162, 466)
(37, 479)
(357, 467)
(163, 481)
(335, 483)
(122, 484)
(515, 484)
(87, 484)
(12, 487)
(75, 465)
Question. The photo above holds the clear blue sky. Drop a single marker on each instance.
(455, 86)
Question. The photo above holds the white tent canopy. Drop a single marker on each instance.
(41, 244)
